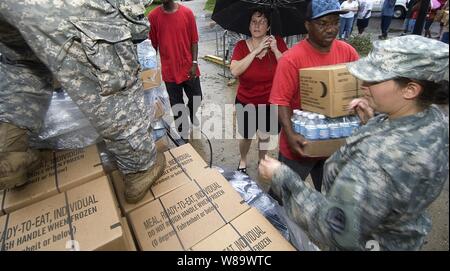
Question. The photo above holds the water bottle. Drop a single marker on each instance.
(322, 125)
(346, 129)
(312, 132)
(303, 123)
(354, 123)
(335, 129)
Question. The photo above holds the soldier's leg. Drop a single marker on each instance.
(26, 86)
(87, 46)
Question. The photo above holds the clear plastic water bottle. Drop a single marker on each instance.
(335, 129)
(322, 125)
(312, 131)
(354, 123)
(303, 123)
(346, 129)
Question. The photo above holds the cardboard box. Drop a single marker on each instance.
(159, 109)
(327, 90)
(195, 210)
(151, 78)
(59, 171)
(251, 231)
(128, 235)
(323, 148)
(173, 176)
(45, 225)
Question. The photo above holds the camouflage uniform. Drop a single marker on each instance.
(87, 45)
(377, 187)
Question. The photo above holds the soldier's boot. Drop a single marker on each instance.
(138, 184)
(16, 159)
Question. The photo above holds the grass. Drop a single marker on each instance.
(209, 5)
(151, 7)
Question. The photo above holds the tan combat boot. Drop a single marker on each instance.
(16, 159)
(137, 184)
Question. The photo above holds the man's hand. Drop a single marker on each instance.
(193, 71)
(267, 167)
(296, 143)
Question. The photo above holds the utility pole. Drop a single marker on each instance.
(420, 21)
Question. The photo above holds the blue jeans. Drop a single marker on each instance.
(345, 26)
(445, 37)
(385, 23)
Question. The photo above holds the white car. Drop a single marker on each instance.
(399, 11)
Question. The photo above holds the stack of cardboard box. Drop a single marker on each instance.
(327, 90)
(71, 205)
(191, 204)
(67, 204)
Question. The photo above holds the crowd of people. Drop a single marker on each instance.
(376, 187)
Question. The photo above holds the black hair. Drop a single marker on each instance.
(264, 11)
(432, 93)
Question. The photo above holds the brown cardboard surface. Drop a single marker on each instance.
(249, 231)
(73, 168)
(159, 109)
(45, 225)
(193, 215)
(173, 176)
(151, 78)
(128, 236)
(323, 148)
(327, 89)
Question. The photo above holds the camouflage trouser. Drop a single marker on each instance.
(87, 46)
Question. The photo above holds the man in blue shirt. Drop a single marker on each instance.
(386, 17)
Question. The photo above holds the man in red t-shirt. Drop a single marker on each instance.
(318, 49)
(173, 32)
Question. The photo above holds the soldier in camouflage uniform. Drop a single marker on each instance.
(87, 45)
(378, 186)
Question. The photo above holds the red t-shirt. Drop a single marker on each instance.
(173, 34)
(285, 87)
(256, 82)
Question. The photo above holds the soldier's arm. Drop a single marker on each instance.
(353, 207)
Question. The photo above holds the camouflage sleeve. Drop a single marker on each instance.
(341, 219)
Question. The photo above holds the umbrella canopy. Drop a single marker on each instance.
(287, 16)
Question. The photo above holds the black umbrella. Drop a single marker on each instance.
(287, 16)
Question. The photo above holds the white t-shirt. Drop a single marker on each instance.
(364, 6)
(347, 5)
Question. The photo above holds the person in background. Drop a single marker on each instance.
(387, 12)
(409, 12)
(90, 51)
(379, 185)
(173, 32)
(318, 49)
(363, 15)
(429, 19)
(254, 62)
(346, 19)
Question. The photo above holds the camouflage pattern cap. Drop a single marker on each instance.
(412, 56)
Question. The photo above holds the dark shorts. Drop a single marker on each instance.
(251, 118)
(428, 24)
(362, 23)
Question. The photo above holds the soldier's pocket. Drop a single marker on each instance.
(111, 55)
